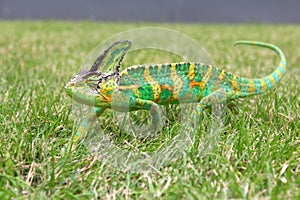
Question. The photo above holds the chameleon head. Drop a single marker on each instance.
(91, 88)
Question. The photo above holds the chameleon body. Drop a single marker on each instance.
(148, 86)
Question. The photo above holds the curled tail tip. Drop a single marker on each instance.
(249, 42)
(257, 43)
(265, 45)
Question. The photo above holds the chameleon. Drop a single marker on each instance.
(148, 86)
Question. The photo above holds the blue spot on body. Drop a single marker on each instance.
(268, 82)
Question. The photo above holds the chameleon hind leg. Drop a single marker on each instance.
(218, 96)
(213, 100)
(86, 124)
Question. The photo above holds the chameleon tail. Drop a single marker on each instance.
(259, 85)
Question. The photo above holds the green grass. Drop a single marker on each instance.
(257, 154)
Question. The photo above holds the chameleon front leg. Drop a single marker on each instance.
(155, 112)
(86, 124)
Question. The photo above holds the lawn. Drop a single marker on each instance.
(256, 154)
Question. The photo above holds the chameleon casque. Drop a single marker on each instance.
(148, 86)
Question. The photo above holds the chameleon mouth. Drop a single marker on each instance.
(69, 85)
(82, 99)
(68, 90)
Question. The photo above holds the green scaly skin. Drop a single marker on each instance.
(148, 86)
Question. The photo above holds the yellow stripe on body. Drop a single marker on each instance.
(282, 66)
(206, 78)
(124, 72)
(191, 73)
(156, 89)
(128, 87)
(177, 82)
(221, 76)
(159, 67)
(278, 72)
(272, 79)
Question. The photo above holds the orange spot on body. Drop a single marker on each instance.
(194, 83)
(205, 79)
(263, 84)
(251, 86)
(279, 73)
(167, 87)
(234, 84)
